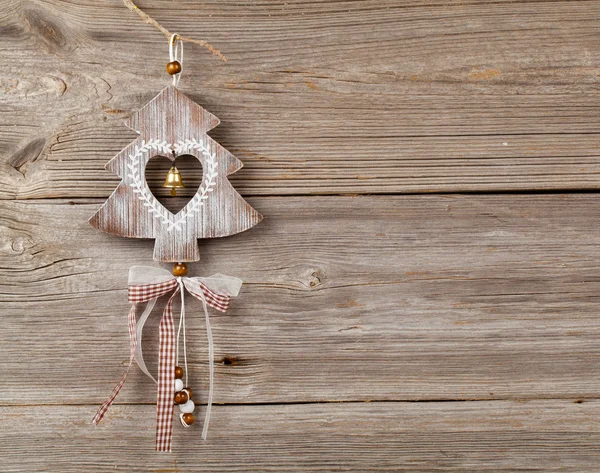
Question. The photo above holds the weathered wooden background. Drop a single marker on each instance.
(423, 292)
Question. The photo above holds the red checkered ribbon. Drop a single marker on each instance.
(163, 283)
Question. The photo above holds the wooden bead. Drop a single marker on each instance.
(189, 391)
(187, 419)
(180, 269)
(174, 67)
(178, 372)
(181, 397)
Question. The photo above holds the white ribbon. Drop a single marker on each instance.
(218, 283)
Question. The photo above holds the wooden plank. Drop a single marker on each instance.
(366, 298)
(485, 96)
(537, 436)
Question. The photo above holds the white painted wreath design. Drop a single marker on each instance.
(144, 194)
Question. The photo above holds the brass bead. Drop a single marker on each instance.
(174, 67)
(188, 419)
(180, 269)
(181, 397)
(178, 372)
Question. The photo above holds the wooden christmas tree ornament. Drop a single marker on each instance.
(171, 125)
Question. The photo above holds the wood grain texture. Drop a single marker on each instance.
(486, 297)
(502, 436)
(317, 98)
(470, 322)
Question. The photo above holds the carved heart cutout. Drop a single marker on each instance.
(191, 175)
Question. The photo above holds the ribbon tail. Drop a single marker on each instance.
(219, 301)
(166, 379)
(132, 345)
(139, 357)
(211, 369)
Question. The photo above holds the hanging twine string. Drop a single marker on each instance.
(151, 21)
(182, 325)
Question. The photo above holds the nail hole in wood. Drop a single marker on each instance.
(230, 360)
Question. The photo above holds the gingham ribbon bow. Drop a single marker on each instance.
(147, 284)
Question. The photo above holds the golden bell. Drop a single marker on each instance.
(173, 180)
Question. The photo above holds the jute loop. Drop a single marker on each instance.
(176, 54)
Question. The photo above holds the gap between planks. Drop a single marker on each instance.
(515, 192)
(300, 403)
